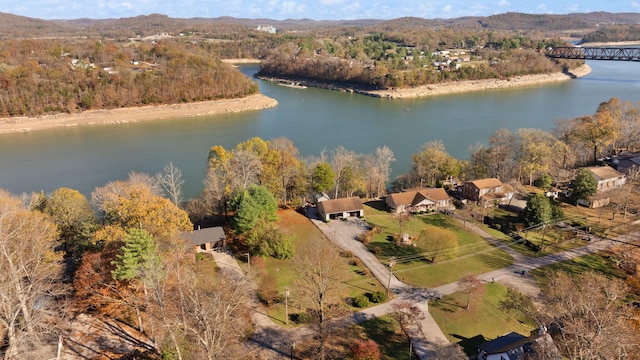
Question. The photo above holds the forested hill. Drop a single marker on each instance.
(19, 26)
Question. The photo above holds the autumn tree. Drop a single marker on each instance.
(71, 211)
(130, 205)
(433, 163)
(536, 151)
(588, 317)
(321, 272)
(30, 285)
(599, 130)
(437, 242)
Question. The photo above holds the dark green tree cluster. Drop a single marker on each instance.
(540, 211)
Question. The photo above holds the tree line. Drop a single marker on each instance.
(404, 59)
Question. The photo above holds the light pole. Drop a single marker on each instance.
(286, 305)
(392, 261)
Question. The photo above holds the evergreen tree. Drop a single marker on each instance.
(138, 254)
(583, 186)
(251, 205)
(539, 210)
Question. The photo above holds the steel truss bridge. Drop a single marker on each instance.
(594, 53)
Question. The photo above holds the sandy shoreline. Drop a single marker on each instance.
(477, 85)
(136, 114)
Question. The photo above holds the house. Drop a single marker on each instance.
(627, 162)
(340, 208)
(488, 191)
(607, 177)
(514, 346)
(205, 239)
(419, 199)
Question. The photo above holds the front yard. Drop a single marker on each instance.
(305, 234)
(414, 265)
(484, 321)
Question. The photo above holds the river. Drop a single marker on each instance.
(85, 157)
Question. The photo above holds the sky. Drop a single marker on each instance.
(299, 9)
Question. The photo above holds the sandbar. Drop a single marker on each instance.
(136, 114)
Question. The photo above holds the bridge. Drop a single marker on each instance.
(594, 53)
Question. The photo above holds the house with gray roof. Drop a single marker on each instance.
(205, 239)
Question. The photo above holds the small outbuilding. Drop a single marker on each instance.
(340, 208)
(205, 239)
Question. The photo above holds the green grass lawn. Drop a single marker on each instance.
(484, 321)
(474, 254)
(304, 233)
(605, 264)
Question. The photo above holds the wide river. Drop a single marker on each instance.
(315, 120)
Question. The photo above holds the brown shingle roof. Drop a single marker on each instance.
(436, 194)
(487, 183)
(414, 196)
(340, 205)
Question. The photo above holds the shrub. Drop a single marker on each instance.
(378, 297)
(355, 261)
(361, 301)
(377, 250)
(365, 350)
(301, 318)
(200, 257)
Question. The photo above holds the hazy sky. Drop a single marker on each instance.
(298, 9)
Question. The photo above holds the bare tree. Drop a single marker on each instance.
(472, 286)
(409, 317)
(171, 181)
(341, 160)
(30, 284)
(588, 317)
(246, 168)
(321, 272)
(211, 312)
(384, 157)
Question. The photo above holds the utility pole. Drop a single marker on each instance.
(248, 261)
(286, 305)
(392, 261)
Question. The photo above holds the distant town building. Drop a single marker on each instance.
(270, 29)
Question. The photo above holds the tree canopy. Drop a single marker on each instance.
(251, 205)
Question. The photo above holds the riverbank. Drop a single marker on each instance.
(453, 87)
(478, 85)
(136, 114)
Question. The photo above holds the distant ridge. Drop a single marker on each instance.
(21, 26)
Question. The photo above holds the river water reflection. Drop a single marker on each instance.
(314, 119)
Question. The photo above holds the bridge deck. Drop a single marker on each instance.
(595, 53)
